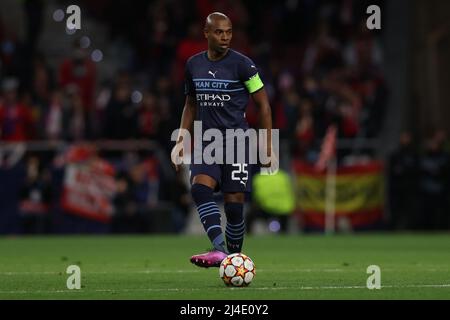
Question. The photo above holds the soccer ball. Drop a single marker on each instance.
(237, 270)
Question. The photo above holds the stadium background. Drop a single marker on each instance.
(86, 116)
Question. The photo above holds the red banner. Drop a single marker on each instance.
(88, 188)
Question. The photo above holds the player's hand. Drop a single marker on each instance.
(272, 166)
(177, 154)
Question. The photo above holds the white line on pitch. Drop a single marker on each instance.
(12, 273)
(305, 288)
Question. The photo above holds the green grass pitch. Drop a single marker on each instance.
(287, 267)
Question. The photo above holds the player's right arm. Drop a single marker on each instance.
(187, 121)
(188, 116)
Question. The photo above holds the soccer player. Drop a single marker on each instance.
(218, 84)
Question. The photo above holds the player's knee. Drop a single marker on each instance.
(234, 212)
(201, 193)
(237, 197)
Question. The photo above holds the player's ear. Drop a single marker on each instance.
(205, 32)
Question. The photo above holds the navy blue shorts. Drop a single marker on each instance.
(230, 177)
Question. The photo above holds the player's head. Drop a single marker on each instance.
(218, 31)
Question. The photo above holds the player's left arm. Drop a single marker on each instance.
(255, 87)
(262, 104)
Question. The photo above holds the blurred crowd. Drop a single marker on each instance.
(419, 181)
(319, 62)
